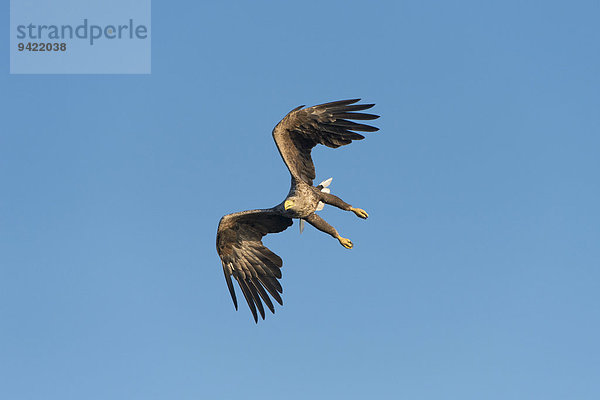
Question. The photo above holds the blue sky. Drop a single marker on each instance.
(475, 277)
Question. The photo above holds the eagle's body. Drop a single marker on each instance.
(239, 236)
(304, 198)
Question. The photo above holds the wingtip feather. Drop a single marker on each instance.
(231, 288)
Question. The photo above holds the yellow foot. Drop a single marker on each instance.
(360, 213)
(347, 243)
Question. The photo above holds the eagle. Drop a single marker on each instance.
(257, 269)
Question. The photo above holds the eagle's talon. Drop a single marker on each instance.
(347, 243)
(360, 213)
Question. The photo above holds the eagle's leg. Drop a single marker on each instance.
(323, 226)
(328, 198)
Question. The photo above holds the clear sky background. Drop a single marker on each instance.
(475, 277)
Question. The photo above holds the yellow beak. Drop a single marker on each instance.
(288, 204)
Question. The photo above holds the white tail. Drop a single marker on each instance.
(320, 206)
(325, 183)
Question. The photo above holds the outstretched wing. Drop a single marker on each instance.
(328, 124)
(243, 255)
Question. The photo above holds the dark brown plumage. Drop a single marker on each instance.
(239, 236)
(243, 255)
(327, 124)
